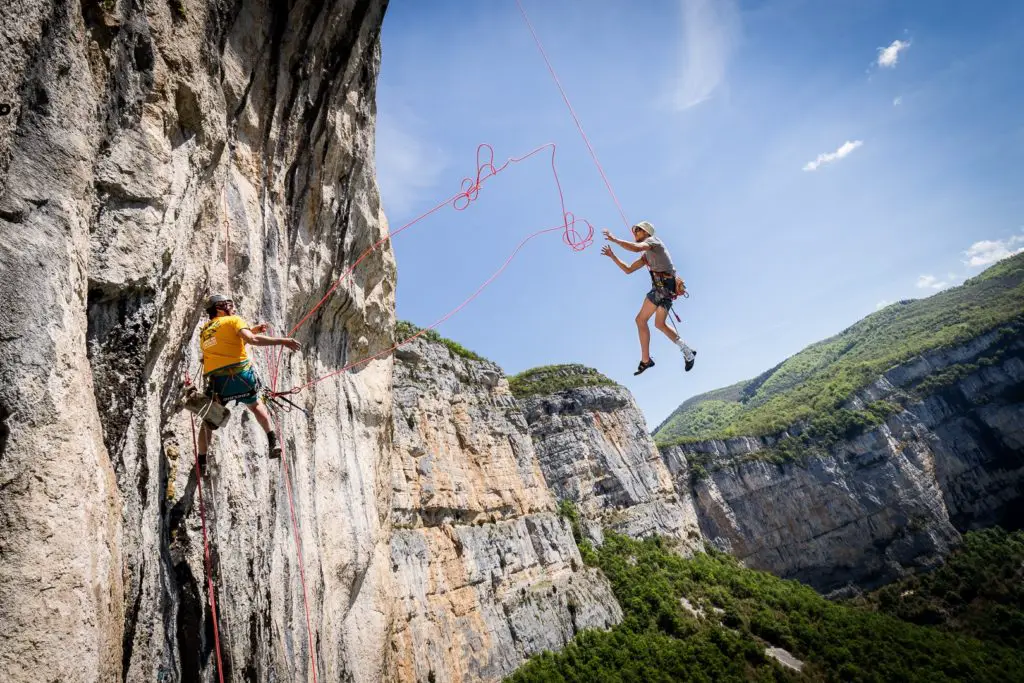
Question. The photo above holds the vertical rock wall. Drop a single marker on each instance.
(486, 573)
(594, 449)
(890, 500)
(154, 152)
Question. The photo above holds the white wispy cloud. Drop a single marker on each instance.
(987, 252)
(408, 167)
(931, 282)
(897, 101)
(882, 304)
(889, 56)
(828, 157)
(711, 30)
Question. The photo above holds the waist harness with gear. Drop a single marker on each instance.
(672, 284)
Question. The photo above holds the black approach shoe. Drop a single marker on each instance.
(643, 366)
(274, 446)
(689, 363)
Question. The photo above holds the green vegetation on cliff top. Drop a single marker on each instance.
(548, 379)
(742, 612)
(405, 329)
(824, 375)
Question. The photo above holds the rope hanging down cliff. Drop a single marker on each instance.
(208, 564)
(470, 192)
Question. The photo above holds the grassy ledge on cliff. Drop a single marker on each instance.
(549, 379)
(405, 329)
(819, 379)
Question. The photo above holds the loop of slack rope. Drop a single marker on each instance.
(446, 316)
(577, 234)
(460, 201)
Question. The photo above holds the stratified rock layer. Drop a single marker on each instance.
(487, 574)
(594, 449)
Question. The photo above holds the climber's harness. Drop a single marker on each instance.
(670, 283)
(237, 372)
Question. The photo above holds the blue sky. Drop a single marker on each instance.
(805, 162)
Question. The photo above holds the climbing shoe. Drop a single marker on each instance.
(274, 446)
(690, 359)
(643, 366)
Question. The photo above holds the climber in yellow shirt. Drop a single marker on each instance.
(226, 366)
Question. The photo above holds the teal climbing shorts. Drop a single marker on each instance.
(234, 383)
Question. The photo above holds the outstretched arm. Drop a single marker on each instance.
(631, 268)
(266, 340)
(635, 247)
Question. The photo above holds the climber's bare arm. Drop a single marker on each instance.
(635, 247)
(631, 268)
(266, 340)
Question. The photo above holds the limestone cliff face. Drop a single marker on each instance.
(978, 427)
(487, 573)
(594, 449)
(154, 152)
(891, 499)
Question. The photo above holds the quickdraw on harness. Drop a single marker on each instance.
(671, 284)
(274, 399)
(260, 390)
(210, 406)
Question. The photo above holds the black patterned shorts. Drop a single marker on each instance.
(663, 286)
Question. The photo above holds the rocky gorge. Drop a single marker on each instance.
(415, 531)
(891, 500)
(896, 496)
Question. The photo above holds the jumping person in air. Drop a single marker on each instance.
(226, 366)
(664, 289)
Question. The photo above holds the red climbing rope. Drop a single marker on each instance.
(485, 169)
(206, 550)
(470, 192)
(227, 240)
(298, 546)
(460, 201)
(288, 487)
(572, 111)
(447, 315)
